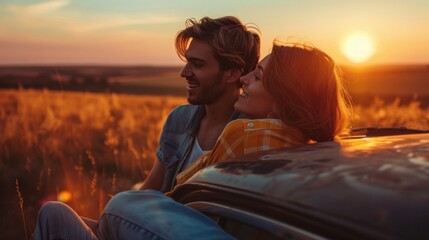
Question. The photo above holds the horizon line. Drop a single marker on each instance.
(5, 65)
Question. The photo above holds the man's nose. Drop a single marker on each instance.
(244, 79)
(185, 71)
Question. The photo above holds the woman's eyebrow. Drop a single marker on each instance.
(260, 68)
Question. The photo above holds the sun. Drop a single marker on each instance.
(358, 47)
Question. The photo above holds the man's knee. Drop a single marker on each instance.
(119, 200)
(131, 199)
(58, 221)
(53, 207)
(131, 204)
(53, 211)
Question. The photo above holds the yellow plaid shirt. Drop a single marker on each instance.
(243, 136)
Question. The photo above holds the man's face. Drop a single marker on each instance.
(202, 73)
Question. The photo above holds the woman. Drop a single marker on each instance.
(294, 95)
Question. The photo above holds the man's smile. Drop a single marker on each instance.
(192, 84)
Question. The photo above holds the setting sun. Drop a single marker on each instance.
(358, 47)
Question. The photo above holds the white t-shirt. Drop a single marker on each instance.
(195, 153)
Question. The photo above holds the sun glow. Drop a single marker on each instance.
(358, 47)
(64, 196)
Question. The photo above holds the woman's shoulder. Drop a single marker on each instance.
(272, 126)
(235, 129)
(236, 125)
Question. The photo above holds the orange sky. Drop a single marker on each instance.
(142, 32)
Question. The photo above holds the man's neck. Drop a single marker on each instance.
(217, 116)
(221, 111)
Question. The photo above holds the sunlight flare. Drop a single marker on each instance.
(64, 196)
(358, 47)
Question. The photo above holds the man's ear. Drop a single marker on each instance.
(232, 75)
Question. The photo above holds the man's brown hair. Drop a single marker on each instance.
(234, 45)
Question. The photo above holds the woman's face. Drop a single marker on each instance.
(254, 100)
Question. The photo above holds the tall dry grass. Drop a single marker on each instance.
(81, 148)
(391, 114)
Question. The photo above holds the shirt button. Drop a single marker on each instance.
(250, 124)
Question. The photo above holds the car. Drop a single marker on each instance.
(374, 184)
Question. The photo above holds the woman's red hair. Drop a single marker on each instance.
(308, 92)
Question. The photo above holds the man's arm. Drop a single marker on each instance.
(155, 179)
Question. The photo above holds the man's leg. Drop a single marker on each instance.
(56, 220)
(149, 214)
(91, 223)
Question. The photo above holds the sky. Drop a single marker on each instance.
(142, 32)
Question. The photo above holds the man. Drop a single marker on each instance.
(217, 52)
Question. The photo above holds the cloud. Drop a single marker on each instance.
(122, 21)
(51, 21)
(36, 16)
(39, 8)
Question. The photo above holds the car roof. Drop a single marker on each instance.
(381, 182)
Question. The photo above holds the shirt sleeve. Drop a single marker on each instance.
(161, 148)
(229, 145)
(172, 133)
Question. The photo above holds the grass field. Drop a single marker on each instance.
(81, 148)
(76, 147)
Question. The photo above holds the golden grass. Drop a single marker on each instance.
(393, 114)
(84, 144)
(21, 206)
(82, 148)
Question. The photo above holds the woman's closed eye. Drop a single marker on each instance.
(256, 77)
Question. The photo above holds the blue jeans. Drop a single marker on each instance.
(144, 214)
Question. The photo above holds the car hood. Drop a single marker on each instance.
(378, 181)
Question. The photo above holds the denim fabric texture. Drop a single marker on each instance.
(150, 214)
(146, 214)
(56, 220)
(177, 138)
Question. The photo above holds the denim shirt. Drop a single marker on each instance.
(177, 138)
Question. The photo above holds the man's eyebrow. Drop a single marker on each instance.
(188, 58)
(195, 59)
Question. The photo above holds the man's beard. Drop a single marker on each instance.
(211, 93)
